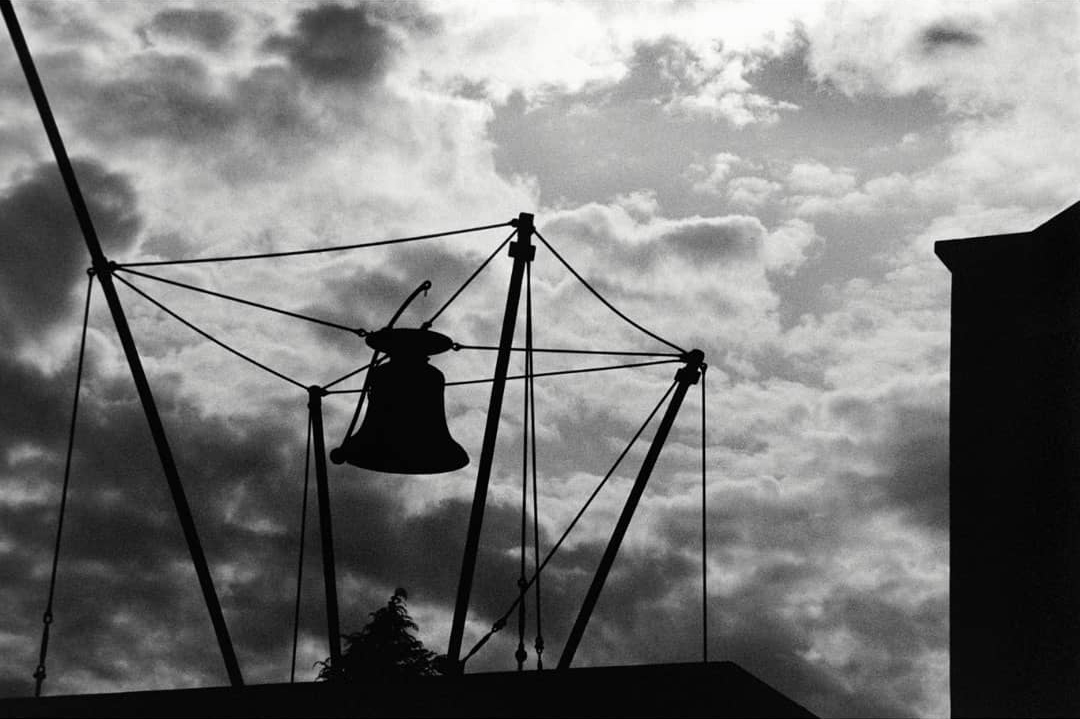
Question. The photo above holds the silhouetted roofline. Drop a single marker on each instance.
(1014, 247)
(716, 689)
(1067, 219)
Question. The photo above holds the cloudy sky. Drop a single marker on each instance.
(762, 181)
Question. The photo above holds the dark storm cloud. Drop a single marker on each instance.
(756, 625)
(633, 622)
(369, 298)
(47, 253)
(913, 454)
(576, 143)
(894, 638)
(68, 21)
(633, 595)
(771, 647)
(447, 267)
(696, 241)
(337, 44)
(423, 551)
(125, 573)
(165, 95)
(172, 97)
(32, 403)
(212, 29)
(948, 34)
(411, 16)
(710, 241)
(123, 553)
(657, 70)
(919, 455)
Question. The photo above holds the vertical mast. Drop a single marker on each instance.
(522, 251)
(315, 395)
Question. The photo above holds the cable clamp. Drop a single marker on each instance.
(688, 375)
(691, 373)
(105, 268)
(693, 357)
(520, 250)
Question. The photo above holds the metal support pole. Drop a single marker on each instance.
(103, 270)
(522, 251)
(686, 376)
(333, 629)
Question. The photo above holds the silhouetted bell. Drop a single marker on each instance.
(404, 430)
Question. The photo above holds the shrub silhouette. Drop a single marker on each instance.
(384, 649)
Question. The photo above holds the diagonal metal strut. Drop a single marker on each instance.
(686, 376)
(103, 269)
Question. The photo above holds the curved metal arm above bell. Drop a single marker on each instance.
(404, 430)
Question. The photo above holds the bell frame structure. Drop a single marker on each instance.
(522, 250)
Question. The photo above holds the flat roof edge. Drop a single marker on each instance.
(964, 252)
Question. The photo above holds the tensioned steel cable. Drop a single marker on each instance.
(704, 537)
(313, 251)
(600, 297)
(521, 655)
(300, 561)
(344, 377)
(47, 617)
(375, 359)
(538, 643)
(208, 336)
(528, 437)
(555, 373)
(358, 331)
(501, 622)
(468, 281)
(569, 350)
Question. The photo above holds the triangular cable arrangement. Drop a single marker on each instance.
(529, 452)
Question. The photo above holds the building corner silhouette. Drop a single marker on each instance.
(1014, 471)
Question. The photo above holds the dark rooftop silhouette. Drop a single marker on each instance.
(718, 689)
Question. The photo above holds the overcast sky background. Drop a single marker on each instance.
(759, 180)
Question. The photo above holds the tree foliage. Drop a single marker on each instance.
(385, 648)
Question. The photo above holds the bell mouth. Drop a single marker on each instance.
(402, 341)
(449, 458)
